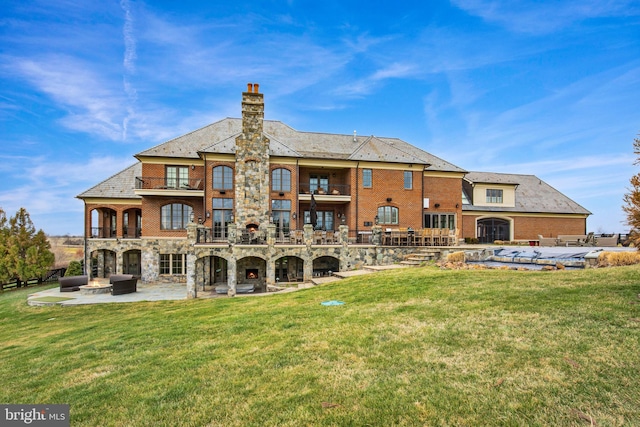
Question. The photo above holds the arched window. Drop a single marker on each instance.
(388, 215)
(281, 180)
(175, 216)
(222, 178)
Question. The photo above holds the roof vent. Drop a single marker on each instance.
(354, 136)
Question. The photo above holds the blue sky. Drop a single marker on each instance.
(549, 88)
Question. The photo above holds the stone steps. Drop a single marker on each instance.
(418, 258)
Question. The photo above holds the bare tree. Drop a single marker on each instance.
(632, 200)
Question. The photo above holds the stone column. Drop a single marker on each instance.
(308, 235)
(192, 292)
(271, 234)
(101, 266)
(376, 237)
(119, 261)
(232, 275)
(232, 233)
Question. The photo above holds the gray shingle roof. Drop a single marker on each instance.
(533, 195)
(118, 186)
(220, 137)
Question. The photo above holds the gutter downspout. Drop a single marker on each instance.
(357, 197)
(297, 195)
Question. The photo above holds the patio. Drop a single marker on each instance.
(145, 292)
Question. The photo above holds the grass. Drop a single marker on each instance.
(413, 347)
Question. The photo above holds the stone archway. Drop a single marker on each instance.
(325, 266)
(289, 269)
(103, 263)
(251, 270)
(131, 262)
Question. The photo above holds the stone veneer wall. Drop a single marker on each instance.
(252, 183)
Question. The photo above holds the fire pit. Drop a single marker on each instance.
(95, 287)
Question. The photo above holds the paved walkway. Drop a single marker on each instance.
(146, 292)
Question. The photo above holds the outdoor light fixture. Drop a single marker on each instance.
(207, 214)
(191, 217)
(293, 215)
(376, 220)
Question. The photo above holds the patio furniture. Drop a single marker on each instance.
(572, 239)
(73, 283)
(607, 241)
(423, 237)
(118, 277)
(547, 241)
(127, 286)
(436, 237)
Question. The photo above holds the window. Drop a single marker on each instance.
(222, 214)
(281, 180)
(325, 220)
(388, 215)
(367, 181)
(443, 220)
(175, 216)
(319, 182)
(222, 178)
(173, 263)
(408, 180)
(494, 196)
(177, 176)
(281, 211)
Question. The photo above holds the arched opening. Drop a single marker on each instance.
(103, 263)
(325, 266)
(131, 262)
(491, 229)
(251, 271)
(103, 223)
(289, 269)
(132, 223)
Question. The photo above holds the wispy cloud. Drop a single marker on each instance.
(535, 17)
(129, 65)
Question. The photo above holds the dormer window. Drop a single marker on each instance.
(494, 195)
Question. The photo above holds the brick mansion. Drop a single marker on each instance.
(249, 201)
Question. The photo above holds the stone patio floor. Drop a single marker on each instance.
(172, 291)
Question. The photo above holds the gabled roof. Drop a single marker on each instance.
(118, 186)
(533, 195)
(219, 137)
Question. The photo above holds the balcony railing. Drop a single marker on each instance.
(103, 232)
(328, 190)
(155, 183)
(131, 232)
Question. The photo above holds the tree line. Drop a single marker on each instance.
(25, 254)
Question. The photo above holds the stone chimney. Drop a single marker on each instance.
(252, 111)
(252, 164)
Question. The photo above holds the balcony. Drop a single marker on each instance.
(161, 186)
(103, 232)
(329, 193)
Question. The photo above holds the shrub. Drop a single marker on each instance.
(456, 257)
(75, 269)
(615, 259)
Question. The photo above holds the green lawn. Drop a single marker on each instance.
(412, 347)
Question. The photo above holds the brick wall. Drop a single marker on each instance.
(528, 228)
(446, 192)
